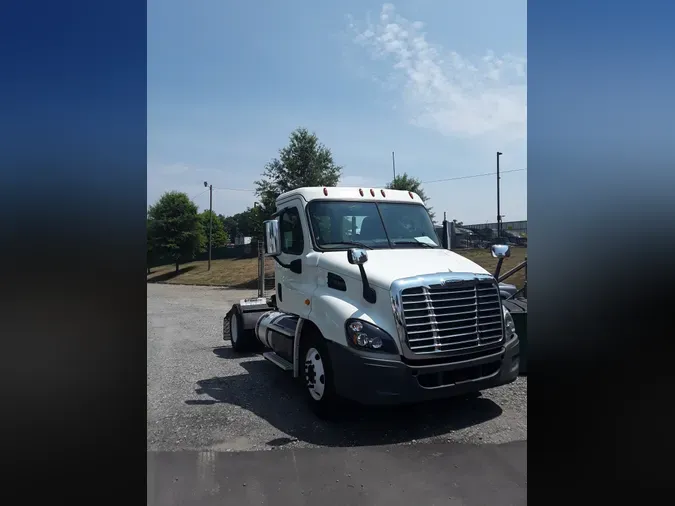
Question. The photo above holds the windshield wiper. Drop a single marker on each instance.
(416, 243)
(347, 243)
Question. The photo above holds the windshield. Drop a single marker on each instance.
(340, 224)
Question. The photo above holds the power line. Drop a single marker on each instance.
(199, 194)
(225, 189)
(234, 189)
(423, 182)
(471, 176)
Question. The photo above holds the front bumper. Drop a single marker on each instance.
(371, 378)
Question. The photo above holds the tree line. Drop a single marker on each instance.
(178, 231)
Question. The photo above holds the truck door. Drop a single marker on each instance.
(293, 288)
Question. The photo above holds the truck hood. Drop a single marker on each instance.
(387, 265)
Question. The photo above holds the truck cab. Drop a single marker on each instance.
(370, 307)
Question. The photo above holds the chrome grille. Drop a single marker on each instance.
(459, 315)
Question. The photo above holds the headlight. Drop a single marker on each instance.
(509, 326)
(366, 336)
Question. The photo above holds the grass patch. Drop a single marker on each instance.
(235, 273)
(243, 273)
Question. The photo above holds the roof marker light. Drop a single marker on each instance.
(411, 194)
(382, 192)
(361, 191)
(372, 192)
(325, 192)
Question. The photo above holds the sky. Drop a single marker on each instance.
(442, 83)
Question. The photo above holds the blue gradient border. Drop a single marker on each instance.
(601, 202)
(73, 198)
(601, 214)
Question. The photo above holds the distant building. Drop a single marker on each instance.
(241, 240)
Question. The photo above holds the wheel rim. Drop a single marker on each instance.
(315, 374)
(234, 329)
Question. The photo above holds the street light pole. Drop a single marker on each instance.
(393, 164)
(499, 214)
(210, 219)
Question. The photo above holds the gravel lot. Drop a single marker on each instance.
(202, 396)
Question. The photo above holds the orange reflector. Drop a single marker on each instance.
(306, 302)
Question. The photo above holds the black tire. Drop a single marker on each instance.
(326, 406)
(242, 340)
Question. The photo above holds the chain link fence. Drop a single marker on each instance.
(483, 235)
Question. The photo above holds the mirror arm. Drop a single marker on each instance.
(291, 265)
(285, 266)
(499, 267)
(368, 293)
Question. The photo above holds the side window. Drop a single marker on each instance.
(292, 241)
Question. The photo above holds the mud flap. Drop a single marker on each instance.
(249, 310)
(226, 325)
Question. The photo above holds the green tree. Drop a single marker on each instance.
(243, 221)
(176, 227)
(219, 236)
(225, 237)
(256, 215)
(238, 224)
(303, 162)
(411, 184)
(231, 226)
(247, 223)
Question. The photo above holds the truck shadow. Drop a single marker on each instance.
(276, 397)
(227, 352)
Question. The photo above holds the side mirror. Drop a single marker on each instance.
(272, 240)
(357, 256)
(501, 251)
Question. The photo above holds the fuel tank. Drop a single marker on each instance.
(276, 330)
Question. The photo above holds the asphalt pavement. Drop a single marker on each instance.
(247, 418)
(426, 474)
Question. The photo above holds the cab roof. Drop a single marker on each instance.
(351, 193)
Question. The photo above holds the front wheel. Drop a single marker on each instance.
(318, 377)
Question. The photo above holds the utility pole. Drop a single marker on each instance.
(210, 219)
(499, 214)
(393, 163)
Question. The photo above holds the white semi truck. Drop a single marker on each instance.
(370, 307)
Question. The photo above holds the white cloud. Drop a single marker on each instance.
(443, 90)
